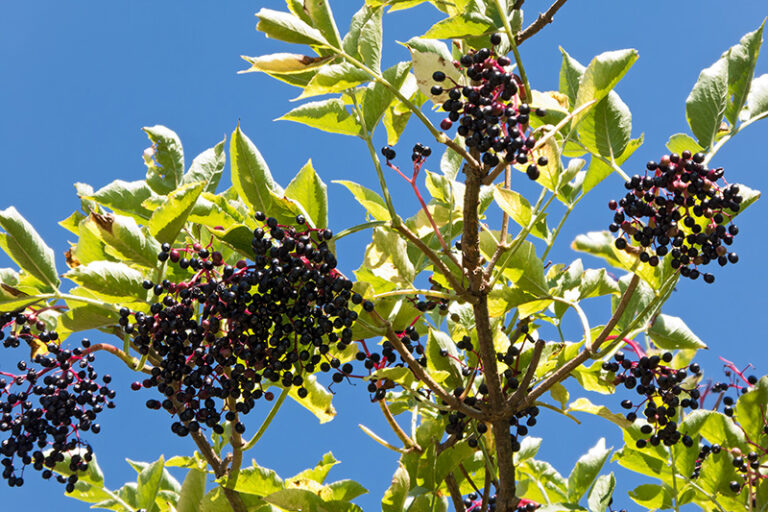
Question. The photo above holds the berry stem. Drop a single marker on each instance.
(263, 428)
(409, 443)
(526, 90)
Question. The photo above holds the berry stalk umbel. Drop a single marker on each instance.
(680, 211)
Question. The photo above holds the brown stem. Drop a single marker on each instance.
(455, 492)
(542, 21)
(491, 177)
(237, 443)
(505, 217)
(423, 376)
(470, 245)
(486, 490)
(528, 377)
(407, 441)
(437, 262)
(219, 469)
(127, 359)
(518, 4)
(564, 371)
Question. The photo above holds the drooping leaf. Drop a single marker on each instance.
(317, 401)
(329, 115)
(370, 200)
(671, 333)
(286, 27)
(319, 11)
(26, 247)
(168, 220)
(429, 57)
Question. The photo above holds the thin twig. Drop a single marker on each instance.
(538, 348)
(542, 21)
(407, 441)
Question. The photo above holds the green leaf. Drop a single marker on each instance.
(550, 177)
(606, 129)
(207, 168)
(707, 101)
(318, 401)
(319, 11)
(601, 76)
(329, 115)
(335, 78)
(395, 496)
(529, 447)
(168, 220)
(680, 142)
(584, 405)
(126, 198)
(750, 409)
(81, 317)
(715, 427)
(164, 160)
(367, 18)
(192, 491)
(671, 333)
(757, 101)
(519, 209)
(251, 177)
(526, 270)
(256, 480)
(439, 341)
(26, 247)
(344, 490)
(320, 471)
(149, 483)
(571, 72)
(428, 57)
(586, 470)
(462, 25)
(370, 200)
(377, 98)
(309, 191)
(599, 170)
(109, 280)
(286, 27)
(125, 239)
(93, 475)
(397, 115)
(284, 64)
(653, 496)
(741, 65)
(601, 494)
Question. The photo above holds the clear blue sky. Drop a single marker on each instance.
(79, 79)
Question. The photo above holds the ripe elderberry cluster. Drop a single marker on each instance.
(45, 409)
(678, 208)
(474, 501)
(227, 333)
(662, 393)
(489, 111)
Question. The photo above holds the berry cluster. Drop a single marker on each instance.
(661, 389)
(45, 410)
(678, 208)
(229, 332)
(475, 502)
(491, 116)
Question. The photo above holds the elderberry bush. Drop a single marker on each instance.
(678, 208)
(48, 406)
(225, 334)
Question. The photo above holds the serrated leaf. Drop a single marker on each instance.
(125, 239)
(519, 210)
(362, 20)
(164, 160)
(207, 168)
(715, 427)
(705, 105)
(329, 115)
(335, 78)
(586, 470)
(606, 129)
(428, 58)
(571, 72)
(397, 493)
(251, 177)
(168, 219)
(671, 333)
(601, 76)
(26, 247)
(309, 191)
(377, 98)
(370, 200)
(192, 491)
(601, 494)
(462, 25)
(256, 480)
(757, 101)
(680, 142)
(286, 27)
(109, 280)
(126, 198)
(741, 65)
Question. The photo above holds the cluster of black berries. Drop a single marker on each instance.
(45, 410)
(678, 208)
(491, 116)
(27, 327)
(662, 395)
(228, 332)
(475, 502)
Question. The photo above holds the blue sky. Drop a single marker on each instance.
(79, 79)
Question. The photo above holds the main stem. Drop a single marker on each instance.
(505, 500)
